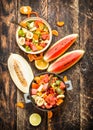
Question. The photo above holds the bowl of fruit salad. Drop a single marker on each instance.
(47, 91)
(34, 35)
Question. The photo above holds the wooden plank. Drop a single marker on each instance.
(67, 11)
(77, 111)
(23, 115)
(7, 88)
(86, 38)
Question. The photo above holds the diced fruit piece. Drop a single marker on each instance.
(37, 79)
(24, 30)
(41, 64)
(31, 24)
(39, 101)
(61, 96)
(50, 99)
(43, 44)
(37, 22)
(21, 41)
(35, 85)
(58, 82)
(33, 47)
(41, 26)
(48, 106)
(58, 90)
(35, 36)
(66, 61)
(62, 85)
(35, 119)
(59, 101)
(28, 48)
(45, 36)
(33, 91)
(21, 33)
(44, 78)
(40, 88)
(60, 47)
(29, 35)
(45, 87)
(28, 43)
(23, 24)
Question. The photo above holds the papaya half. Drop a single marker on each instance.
(65, 61)
(59, 47)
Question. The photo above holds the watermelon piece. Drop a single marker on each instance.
(66, 61)
(60, 47)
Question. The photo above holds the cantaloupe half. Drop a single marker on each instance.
(65, 61)
(59, 47)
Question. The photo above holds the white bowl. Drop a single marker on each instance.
(49, 41)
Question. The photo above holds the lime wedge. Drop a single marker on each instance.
(35, 119)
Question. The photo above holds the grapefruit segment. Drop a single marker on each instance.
(66, 61)
(60, 47)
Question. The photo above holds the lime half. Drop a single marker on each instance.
(35, 119)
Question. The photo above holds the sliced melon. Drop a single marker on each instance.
(20, 72)
(66, 61)
(60, 47)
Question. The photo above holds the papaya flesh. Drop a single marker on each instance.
(59, 47)
(66, 61)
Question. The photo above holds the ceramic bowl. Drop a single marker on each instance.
(26, 40)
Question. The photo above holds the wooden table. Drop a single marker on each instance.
(78, 111)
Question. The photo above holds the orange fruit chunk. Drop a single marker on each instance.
(59, 101)
(25, 10)
(20, 104)
(60, 23)
(55, 32)
(50, 114)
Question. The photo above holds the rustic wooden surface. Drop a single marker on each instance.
(77, 113)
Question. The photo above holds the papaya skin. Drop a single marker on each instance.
(66, 61)
(60, 47)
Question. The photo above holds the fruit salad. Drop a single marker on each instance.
(47, 91)
(34, 35)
